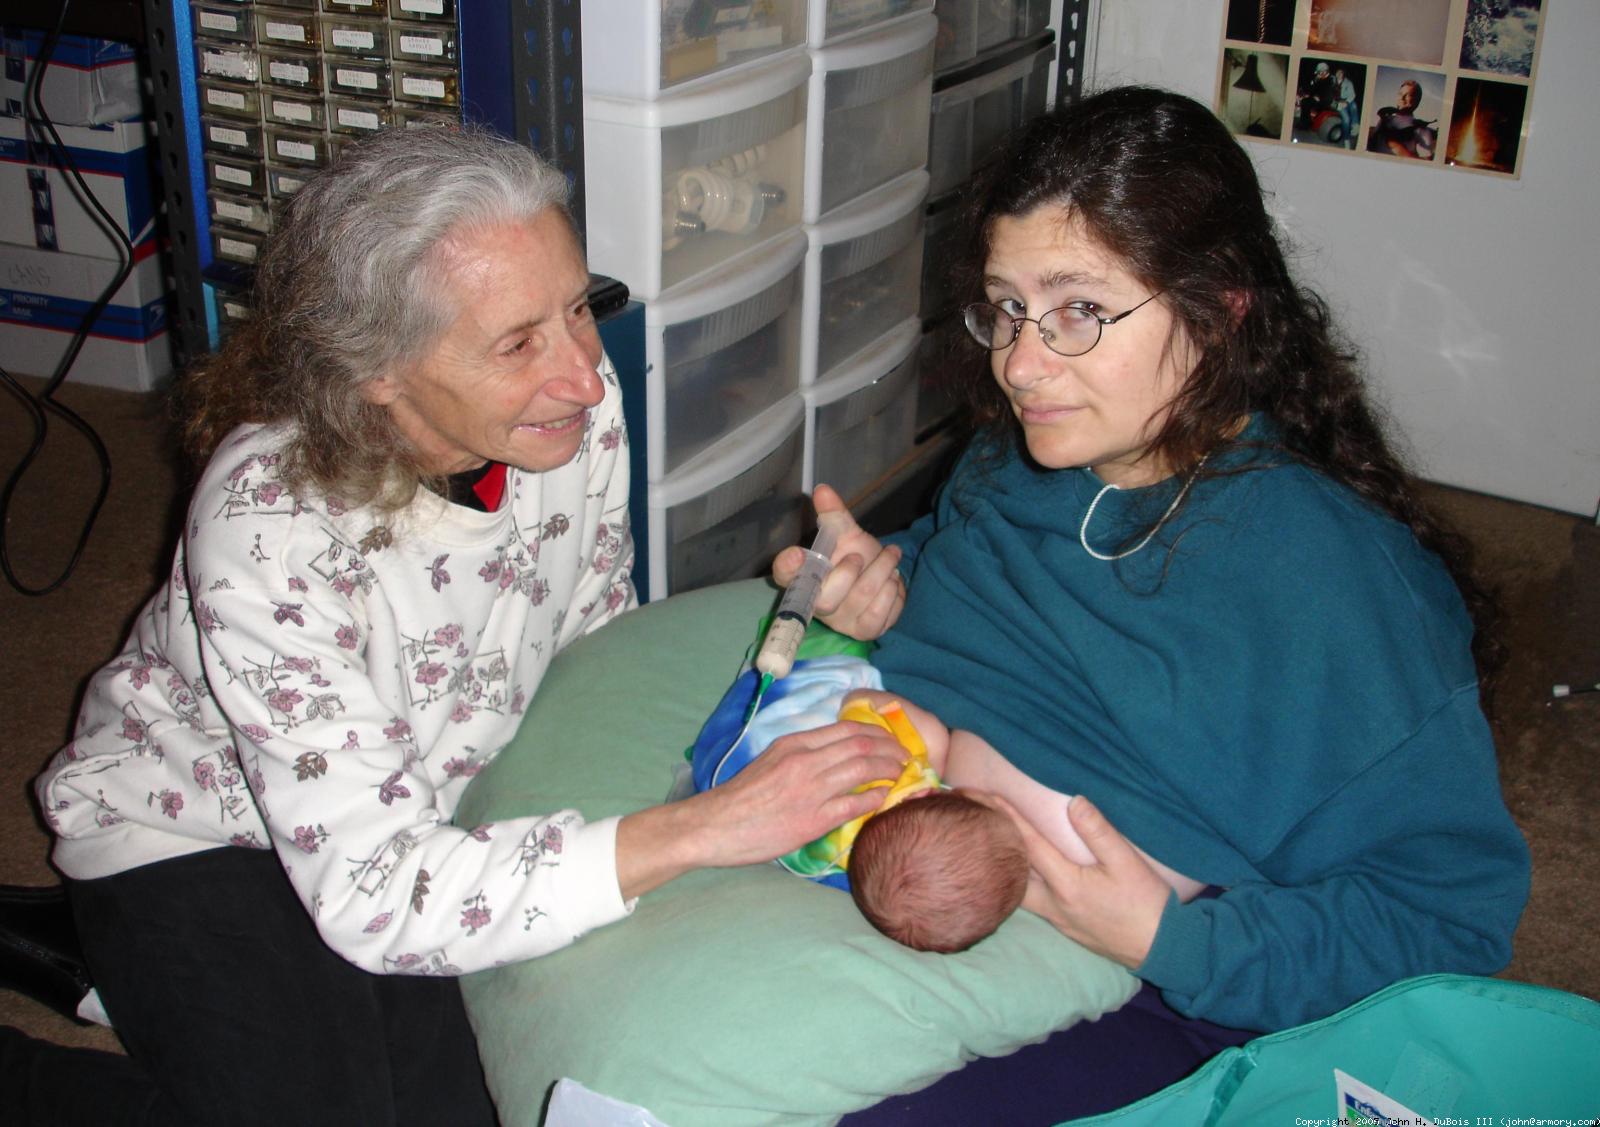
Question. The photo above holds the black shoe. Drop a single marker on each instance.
(39, 952)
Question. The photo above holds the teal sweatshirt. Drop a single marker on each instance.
(1275, 696)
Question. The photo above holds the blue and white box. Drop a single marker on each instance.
(40, 205)
(43, 298)
(88, 81)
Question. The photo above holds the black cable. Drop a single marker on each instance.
(36, 118)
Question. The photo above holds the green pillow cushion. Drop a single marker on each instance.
(734, 996)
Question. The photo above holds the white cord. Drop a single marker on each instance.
(1083, 529)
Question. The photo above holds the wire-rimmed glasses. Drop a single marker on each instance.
(1070, 330)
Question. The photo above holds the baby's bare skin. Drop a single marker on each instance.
(967, 761)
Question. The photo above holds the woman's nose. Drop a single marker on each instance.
(1028, 361)
(579, 363)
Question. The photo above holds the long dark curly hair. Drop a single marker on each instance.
(1157, 180)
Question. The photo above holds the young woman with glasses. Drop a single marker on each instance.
(1181, 573)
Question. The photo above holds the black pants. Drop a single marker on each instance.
(233, 1010)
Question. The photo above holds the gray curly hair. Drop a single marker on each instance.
(348, 289)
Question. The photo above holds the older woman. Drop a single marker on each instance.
(1182, 573)
(415, 495)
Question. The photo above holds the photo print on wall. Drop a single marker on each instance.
(1443, 83)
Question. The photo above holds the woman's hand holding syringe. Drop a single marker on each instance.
(863, 594)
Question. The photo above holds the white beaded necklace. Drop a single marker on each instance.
(1083, 529)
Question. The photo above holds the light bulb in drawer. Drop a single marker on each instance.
(726, 196)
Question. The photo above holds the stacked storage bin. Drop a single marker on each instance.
(994, 64)
(695, 125)
(280, 87)
(866, 182)
(757, 175)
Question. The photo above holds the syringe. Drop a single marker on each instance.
(778, 649)
(788, 628)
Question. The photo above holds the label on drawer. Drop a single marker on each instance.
(238, 248)
(288, 32)
(291, 111)
(422, 44)
(236, 212)
(360, 79)
(298, 150)
(228, 64)
(358, 119)
(223, 135)
(230, 175)
(425, 7)
(219, 21)
(289, 72)
(423, 87)
(354, 40)
(226, 99)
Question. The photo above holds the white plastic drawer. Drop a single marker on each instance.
(970, 122)
(869, 98)
(721, 350)
(863, 269)
(829, 19)
(727, 515)
(677, 186)
(638, 49)
(863, 421)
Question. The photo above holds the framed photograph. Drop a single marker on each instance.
(1254, 92)
(1405, 121)
(1487, 122)
(1426, 83)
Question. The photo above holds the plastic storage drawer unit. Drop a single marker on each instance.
(829, 19)
(721, 350)
(862, 421)
(970, 121)
(681, 184)
(642, 50)
(869, 99)
(725, 516)
(863, 268)
(967, 27)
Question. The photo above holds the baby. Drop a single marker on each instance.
(934, 869)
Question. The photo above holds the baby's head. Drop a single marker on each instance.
(938, 873)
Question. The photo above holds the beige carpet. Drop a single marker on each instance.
(1548, 564)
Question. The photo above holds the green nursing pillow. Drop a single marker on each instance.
(733, 996)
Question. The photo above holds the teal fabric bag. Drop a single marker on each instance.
(1457, 1049)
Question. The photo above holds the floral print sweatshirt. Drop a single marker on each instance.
(319, 681)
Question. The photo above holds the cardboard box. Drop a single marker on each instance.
(39, 202)
(87, 81)
(43, 298)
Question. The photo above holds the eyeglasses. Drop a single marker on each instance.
(1070, 330)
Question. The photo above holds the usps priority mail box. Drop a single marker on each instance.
(41, 207)
(44, 296)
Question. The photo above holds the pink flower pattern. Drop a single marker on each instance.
(286, 667)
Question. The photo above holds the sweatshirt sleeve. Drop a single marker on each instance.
(359, 820)
(1366, 890)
